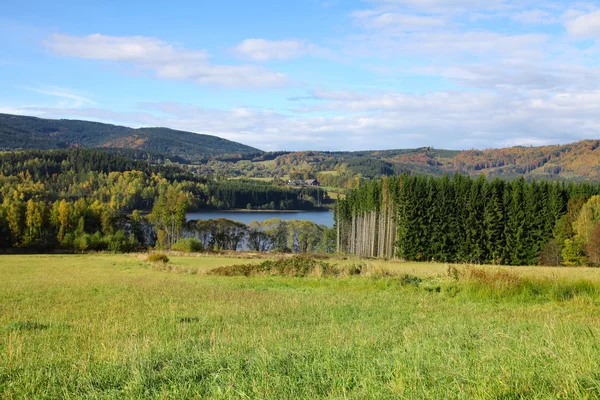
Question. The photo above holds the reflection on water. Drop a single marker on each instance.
(318, 217)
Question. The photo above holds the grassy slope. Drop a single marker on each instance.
(108, 326)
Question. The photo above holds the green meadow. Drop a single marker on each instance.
(115, 326)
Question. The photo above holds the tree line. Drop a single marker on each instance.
(465, 219)
(273, 235)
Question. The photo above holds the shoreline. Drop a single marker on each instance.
(243, 210)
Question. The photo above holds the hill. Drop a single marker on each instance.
(30, 133)
(574, 162)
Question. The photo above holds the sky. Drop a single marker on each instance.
(312, 74)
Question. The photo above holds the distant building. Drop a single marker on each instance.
(311, 182)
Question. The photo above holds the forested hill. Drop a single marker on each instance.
(31, 133)
(573, 161)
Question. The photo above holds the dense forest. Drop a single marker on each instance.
(464, 219)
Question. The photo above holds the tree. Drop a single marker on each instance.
(592, 248)
(258, 240)
(35, 217)
(168, 215)
(63, 219)
(15, 215)
(551, 254)
(573, 252)
(587, 220)
(276, 229)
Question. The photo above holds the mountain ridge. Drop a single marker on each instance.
(572, 161)
(19, 132)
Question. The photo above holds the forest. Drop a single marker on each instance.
(97, 200)
(80, 199)
(475, 220)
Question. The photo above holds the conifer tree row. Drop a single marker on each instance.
(454, 219)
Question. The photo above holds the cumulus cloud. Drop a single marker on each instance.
(510, 87)
(350, 120)
(164, 60)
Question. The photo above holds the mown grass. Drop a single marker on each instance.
(111, 326)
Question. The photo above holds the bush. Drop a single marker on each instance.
(298, 266)
(120, 243)
(82, 242)
(189, 245)
(410, 280)
(157, 258)
(68, 240)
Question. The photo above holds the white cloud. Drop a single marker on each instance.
(347, 120)
(586, 25)
(534, 17)
(68, 100)
(165, 60)
(510, 87)
(443, 5)
(401, 22)
(136, 49)
(265, 50)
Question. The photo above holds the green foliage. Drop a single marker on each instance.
(238, 194)
(188, 245)
(592, 249)
(464, 219)
(587, 219)
(573, 252)
(119, 242)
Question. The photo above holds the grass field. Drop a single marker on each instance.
(112, 326)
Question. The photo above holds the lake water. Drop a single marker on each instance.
(318, 217)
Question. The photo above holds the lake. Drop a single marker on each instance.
(318, 217)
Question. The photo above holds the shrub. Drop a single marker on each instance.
(82, 242)
(189, 245)
(68, 240)
(299, 266)
(157, 258)
(410, 280)
(119, 242)
(355, 269)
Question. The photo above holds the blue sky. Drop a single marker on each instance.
(312, 74)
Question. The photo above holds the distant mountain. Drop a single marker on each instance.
(28, 133)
